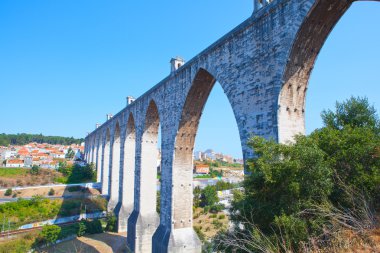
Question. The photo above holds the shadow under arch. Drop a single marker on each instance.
(144, 219)
(312, 35)
(127, 176)
(178, 233)
(115, 169)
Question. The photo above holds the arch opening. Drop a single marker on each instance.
(310, 40)
(183, 164)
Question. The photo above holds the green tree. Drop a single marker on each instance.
(354, 112)
(35, 170)
(70, 154)
(51, 192)
(351, 141)
(50, 233)
(111, 223)
(197, 193)
(209, 196)
(81, 229)
(8, 192)
(283, 181)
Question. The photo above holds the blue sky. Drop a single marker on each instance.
(64, 64)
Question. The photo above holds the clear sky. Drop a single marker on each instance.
(64, 64)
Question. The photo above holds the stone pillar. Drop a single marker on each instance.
(127, 176)
(99, 162)
(144, 219)
(115, 171)
(106, 167)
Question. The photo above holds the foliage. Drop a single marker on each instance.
(351, 141)
(209, 196)
(39, 209)
(70, 154)
(301, 190)
(51, 192)
(355, 112)
(50, 233)
(285, 179)
(81, 229)
(77, 174)
(93, 227)
(35, 170)
(158, 202)
(111, 223)
(19, 245)
(13, 172)
(200, 234)
(222, 186)
(8, 192)
(216, 208)
(216, 173)
(22, 139)
(197, 194)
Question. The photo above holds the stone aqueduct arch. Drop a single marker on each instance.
(263, 66)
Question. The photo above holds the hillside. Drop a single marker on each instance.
(23, 138)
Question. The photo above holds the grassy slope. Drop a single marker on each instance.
(29, 211)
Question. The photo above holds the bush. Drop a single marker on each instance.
(81, 229)
(94, 227)
(216, 208)
(222, 217)
(51, 192)
(50, 233)
(8, 192)
(200, 234)
(111, 223)
(35, 170)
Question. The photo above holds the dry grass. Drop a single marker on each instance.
(210, 224)
(21, 177)
(59, 191)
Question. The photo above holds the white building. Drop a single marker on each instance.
(16, 163)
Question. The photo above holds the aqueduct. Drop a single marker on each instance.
(263, 66)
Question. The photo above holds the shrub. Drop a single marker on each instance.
(51, 192)
(216, 208)
(200, 234)
(222, 217)
(50, 233)
(81, 229)
(111, 223)
(94, 227)
(14, 195)
(8, 192)
(35, 170)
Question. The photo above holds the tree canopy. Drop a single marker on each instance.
(22, 139)
(326, 171)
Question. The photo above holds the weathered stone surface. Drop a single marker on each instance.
(263, 65)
